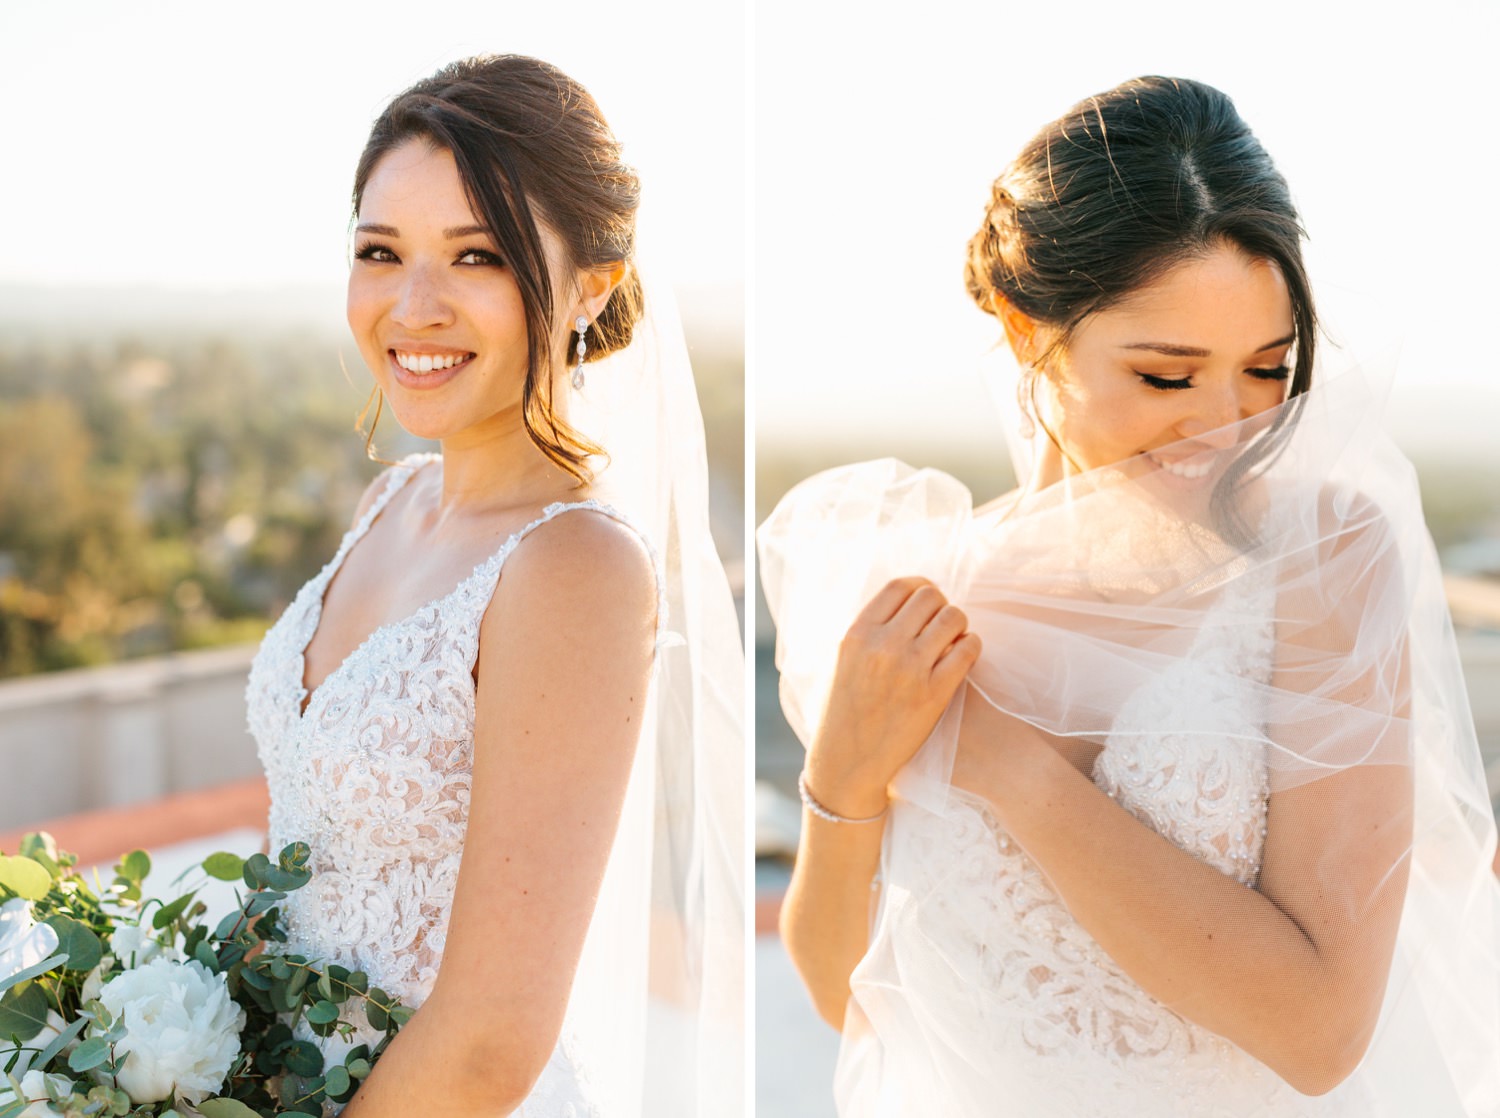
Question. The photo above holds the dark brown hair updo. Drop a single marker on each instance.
(1123, 188)
(531, 147)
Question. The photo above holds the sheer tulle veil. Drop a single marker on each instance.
(1087, 591)
(658, 1000)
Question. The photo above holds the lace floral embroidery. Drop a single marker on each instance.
(375, 775)
(1050, 991)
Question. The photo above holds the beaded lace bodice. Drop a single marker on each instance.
(1071, 1033)
(375, 775)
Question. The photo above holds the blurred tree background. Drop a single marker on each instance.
(172, 489)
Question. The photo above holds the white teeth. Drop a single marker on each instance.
(426, 362)
(1182, 469)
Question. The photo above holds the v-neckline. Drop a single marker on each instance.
(307, 696)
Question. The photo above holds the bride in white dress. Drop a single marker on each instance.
(1160, 768)
(489, 714)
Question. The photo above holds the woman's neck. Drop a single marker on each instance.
(489, 467)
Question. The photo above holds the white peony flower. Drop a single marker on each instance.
(182, 1030)
(134, 946)
(34, 1086)
(23, 942)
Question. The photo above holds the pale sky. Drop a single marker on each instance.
(876, 142)
(213, 146)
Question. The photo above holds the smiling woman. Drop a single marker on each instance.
(512, 779)
(1160, 766)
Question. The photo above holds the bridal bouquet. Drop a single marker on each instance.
(114, 1005)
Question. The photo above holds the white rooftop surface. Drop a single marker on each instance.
(794, 1050)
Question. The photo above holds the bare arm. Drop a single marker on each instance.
(1294, 970)
(566, 650)
(899, 666)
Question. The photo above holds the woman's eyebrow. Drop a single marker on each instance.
(450, 234)
(1172, 350)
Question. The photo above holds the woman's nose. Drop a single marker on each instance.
(1215, 417)
(421, 303)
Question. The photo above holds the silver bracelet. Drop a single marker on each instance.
(812, 805)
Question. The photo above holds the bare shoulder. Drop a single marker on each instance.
(582, 567)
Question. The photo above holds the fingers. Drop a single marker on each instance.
(946, 626)
(890, 599)
(955, 663)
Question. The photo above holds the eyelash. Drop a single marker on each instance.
(368, 250)
(1280, 372)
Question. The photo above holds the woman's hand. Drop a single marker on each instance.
(898, 667)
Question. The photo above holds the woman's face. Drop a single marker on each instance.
(1165, 373)
(436, 312)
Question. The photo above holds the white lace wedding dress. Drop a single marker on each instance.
(1064, 1032)
(374, 774)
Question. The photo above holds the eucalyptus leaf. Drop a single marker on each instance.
(256, 867)
(205, 955)
(264, 901)
(23, 1013)
(337, 1082)
(135, 866)
(224, 866)
(168, 913)
(358, 1068)
(282, 998)
(225, 1108)
(24, 877)
(233, 919)
(61, 1041)
(89, 1055)
(77, 941)
(303, 1058)
(323, 1013)
(31, 972)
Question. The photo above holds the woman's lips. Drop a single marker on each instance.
(424, 374)
(1190, 470)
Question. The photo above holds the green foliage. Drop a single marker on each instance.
(24, 877)
(275, 1073)
(133, 472)
(23, 1012)
(224, 866)
(78, 941)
